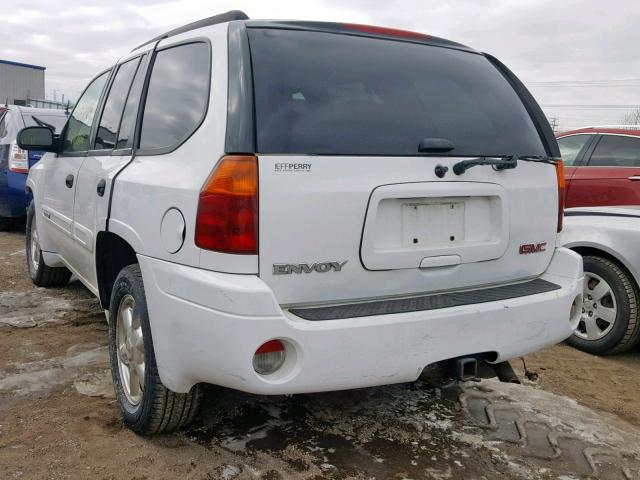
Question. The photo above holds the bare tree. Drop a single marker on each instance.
(632, 117)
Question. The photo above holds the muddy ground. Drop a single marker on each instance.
(58, 418)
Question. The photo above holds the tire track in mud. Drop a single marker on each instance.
(551, 433)
(416, 431)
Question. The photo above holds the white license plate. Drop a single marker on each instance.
(432, 224)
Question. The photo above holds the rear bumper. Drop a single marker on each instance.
(207, 325)
(13, 197)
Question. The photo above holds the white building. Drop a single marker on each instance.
(20, 82)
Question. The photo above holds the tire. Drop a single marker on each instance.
(41, 274)
(147, 406)
(610, 323)
(6, 224)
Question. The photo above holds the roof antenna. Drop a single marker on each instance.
(6, 102)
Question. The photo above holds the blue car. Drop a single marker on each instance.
(15, 162)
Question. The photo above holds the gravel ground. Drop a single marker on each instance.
(58, 418)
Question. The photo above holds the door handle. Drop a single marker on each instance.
(69, 181)
(100, 187)
(634, 178)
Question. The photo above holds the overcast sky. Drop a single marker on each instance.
(543, 41)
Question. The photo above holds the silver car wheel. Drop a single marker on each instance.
(130, 348)
(599, 308)
(34, 246)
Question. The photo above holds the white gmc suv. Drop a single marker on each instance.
(283, 207)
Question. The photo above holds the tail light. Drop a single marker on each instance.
(227, 219)
(561, 191)
(18, 159)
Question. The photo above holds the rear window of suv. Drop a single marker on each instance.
(332, 94)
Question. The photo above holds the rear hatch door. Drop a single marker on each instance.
(351, 209)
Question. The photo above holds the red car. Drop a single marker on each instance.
(602, 166)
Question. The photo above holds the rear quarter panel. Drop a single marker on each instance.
(17, 196)
(151, 185)
(617, 236)
(4, 158)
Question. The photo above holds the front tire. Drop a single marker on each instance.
(41, 274)
(147, 406)
(610, 320)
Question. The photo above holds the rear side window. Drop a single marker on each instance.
(616, 151)
(177, 97)
(125, 134)
(78, 130)
(571, 146)
(323, 93)
(114, 105)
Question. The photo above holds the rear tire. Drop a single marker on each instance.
(41, 274)
(147, 406)
(6, 224)
(610, 321)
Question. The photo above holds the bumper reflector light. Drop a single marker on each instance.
(269, 357)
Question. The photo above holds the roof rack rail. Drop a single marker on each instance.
(205, 22)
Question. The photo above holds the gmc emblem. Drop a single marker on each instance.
(527, 248)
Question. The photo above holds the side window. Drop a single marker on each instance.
(571, 146)
(177, 96)
(125, 133)
(616, 151)
(114, 105)
(78, 130)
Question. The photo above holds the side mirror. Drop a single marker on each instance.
(37, 138)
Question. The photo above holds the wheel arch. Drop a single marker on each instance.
(30, 185)
(113, 253)
(591, 249)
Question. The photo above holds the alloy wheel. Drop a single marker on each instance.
(130, 349)
(34, 247)
(599, 308)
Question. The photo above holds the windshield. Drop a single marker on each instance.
(45, 120)
(323, 93)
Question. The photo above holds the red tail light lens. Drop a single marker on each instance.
(561, 191)
(227, 219)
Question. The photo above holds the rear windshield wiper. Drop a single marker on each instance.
(42, 123)
(498, 163)
(501, 162)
